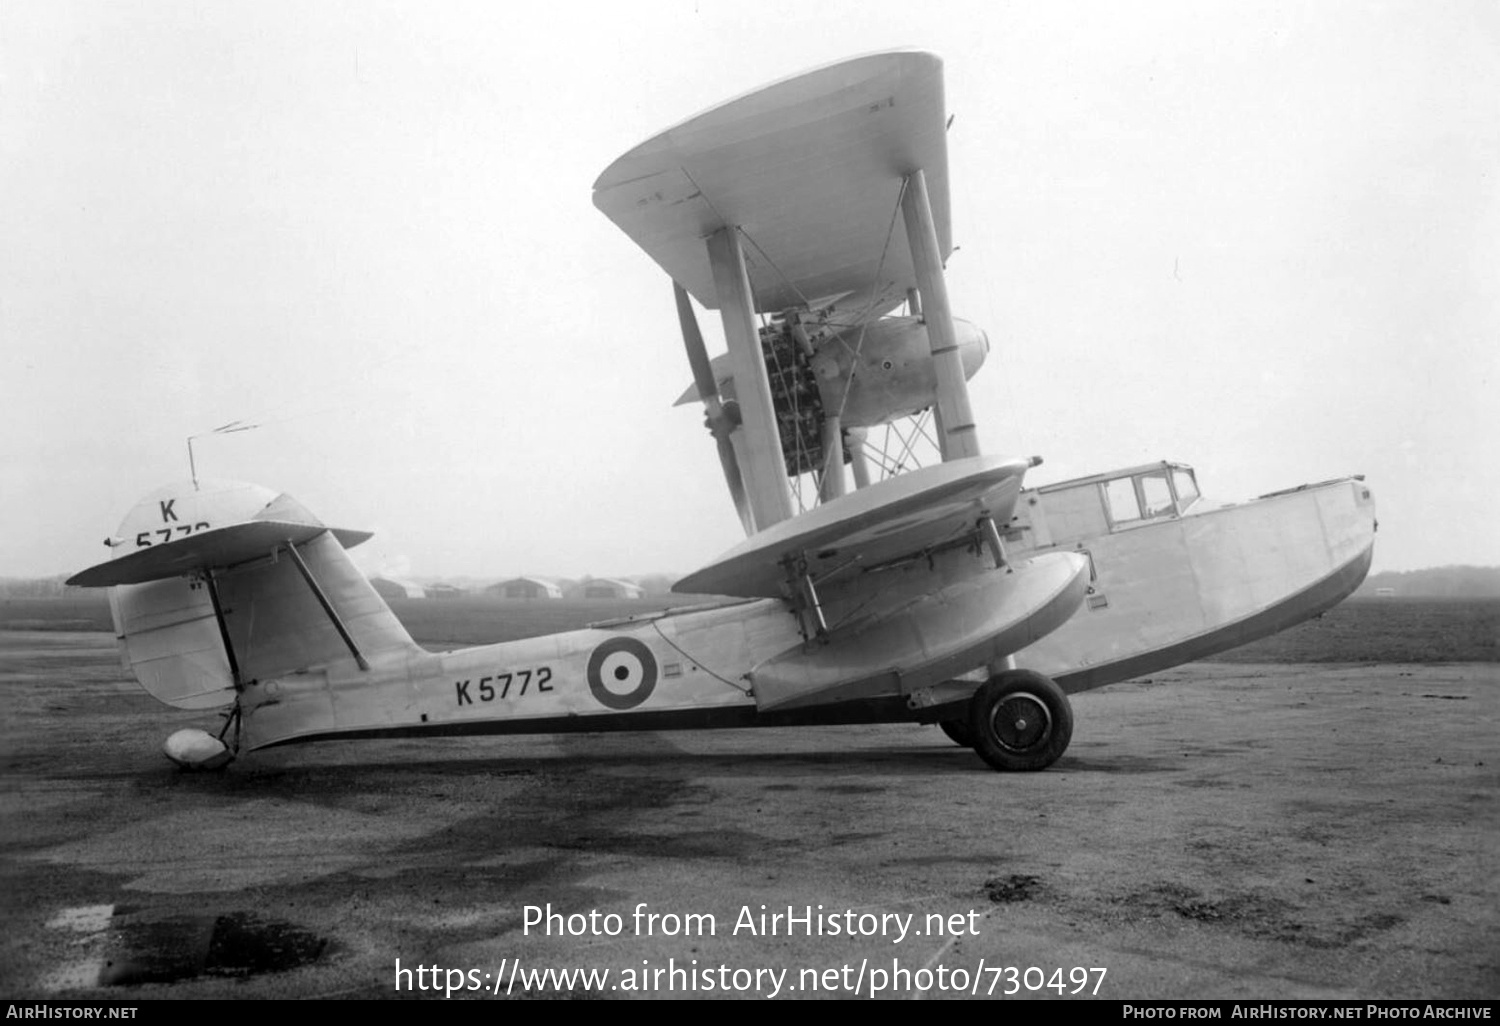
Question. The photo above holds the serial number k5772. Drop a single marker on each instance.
(512, 684)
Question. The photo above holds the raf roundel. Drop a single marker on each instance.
(622, 673)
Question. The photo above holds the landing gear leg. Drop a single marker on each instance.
(1020, 720)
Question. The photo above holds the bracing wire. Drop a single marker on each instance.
(864, 322)
(861, 319)
(719, 677)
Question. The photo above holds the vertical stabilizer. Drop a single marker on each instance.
(219, 584)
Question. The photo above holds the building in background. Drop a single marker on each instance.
(607, 588)
(395, 588)
(526, 588)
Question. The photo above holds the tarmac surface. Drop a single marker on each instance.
(1216, 831)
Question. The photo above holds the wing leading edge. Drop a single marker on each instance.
(809, 168)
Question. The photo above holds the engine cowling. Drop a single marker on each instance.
(867, 376)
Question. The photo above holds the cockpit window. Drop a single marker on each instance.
(1156, 494)
(1187, 487)
(1146, 496)
(1123, 506)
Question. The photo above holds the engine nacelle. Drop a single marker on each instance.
(865, 376)
(887, 369)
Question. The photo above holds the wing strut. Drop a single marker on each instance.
(213, 597)
(832, 484)
(333, 616)
(763, 468)
(719, 422)
(857, 459)
(957, 437)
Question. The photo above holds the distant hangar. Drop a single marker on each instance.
(526, 588)
(607, 588)
(532, 587)
(394, 588)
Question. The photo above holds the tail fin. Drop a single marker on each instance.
(170, 641)
(227, 583)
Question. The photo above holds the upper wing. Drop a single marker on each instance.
(810, 169)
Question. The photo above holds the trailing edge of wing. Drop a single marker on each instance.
(215, 549)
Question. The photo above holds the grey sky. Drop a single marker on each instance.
(1261, 238)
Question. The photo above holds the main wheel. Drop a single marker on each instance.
(958, 732)
(1020, 720)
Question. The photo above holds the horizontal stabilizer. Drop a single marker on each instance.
(215, 549)
(193, 526)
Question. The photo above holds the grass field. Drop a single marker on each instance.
(1385, 630)
(1388, 630)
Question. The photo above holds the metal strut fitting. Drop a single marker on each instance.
(810, 607)
(991, 535)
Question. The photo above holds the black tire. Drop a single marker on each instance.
(958, 732)
(1020, 720)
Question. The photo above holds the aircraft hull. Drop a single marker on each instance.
(1184, 588)
(907, 640)
(726, 666)
(1163, 594)
(887, 708)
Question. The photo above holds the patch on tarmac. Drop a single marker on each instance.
(1016, 887)
(127, 947)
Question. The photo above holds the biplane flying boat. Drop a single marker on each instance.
(813, 215)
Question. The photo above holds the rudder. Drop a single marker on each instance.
(227, 583)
